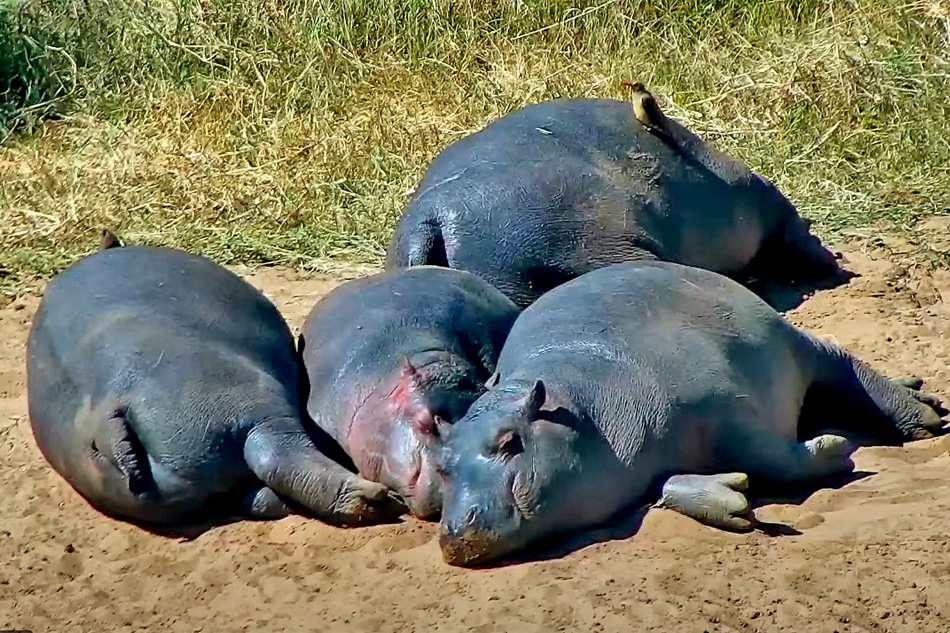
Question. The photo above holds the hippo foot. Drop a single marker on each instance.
(828, 455)
(913, 383)
(264, 504)
(288, 462)
(363, 502)
(931, 414)
(716, 500)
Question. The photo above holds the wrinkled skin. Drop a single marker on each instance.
(166, 390)
(392, 360)
(560, 188)
(653, 379)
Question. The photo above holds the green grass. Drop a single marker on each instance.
(292, 131)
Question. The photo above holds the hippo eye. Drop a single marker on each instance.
(509, 444)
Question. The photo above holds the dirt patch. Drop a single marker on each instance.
(871, 556)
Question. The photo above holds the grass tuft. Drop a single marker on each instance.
(292, 131)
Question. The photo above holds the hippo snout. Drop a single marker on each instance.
(474, 537)
(466, 547)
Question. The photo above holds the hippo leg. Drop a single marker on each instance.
(264, 504)
(791, 264)
(847, 386)
(716, 500)
(782, 460)
(823, 456)
(719, 500)
(284, 457)
(800, 255)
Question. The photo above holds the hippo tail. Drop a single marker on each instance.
(104, 461)
(116, 447)
(420, 244)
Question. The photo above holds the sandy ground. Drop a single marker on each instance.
(871, 556)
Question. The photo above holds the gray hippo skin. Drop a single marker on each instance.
(652, 378)
(395, 357)
(557, 189)
(166, 390)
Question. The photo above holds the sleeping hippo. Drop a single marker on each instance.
(557, 189)
(394, 358)
(166, 390)
(650, 379)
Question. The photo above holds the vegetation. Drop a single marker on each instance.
(293, 131)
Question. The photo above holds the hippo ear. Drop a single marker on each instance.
(534, 399)
(492, 381)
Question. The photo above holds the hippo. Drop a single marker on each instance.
(392, 360)
(654, 380)
(166, 390)
(559, 188)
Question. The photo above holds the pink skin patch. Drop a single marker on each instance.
(389, 437)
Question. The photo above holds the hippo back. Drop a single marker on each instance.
(359, 333)
(625, 339)
(188, 292)
(560, 188)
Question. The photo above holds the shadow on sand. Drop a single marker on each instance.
(627, 524)
(222, 509)
(192, 531)
(785, 297)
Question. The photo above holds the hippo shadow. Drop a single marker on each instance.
(628, 522)
(189, 531)
(788, 296)
(219, 510)
(777, 494)
(624, 526)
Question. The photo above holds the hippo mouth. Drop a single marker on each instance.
(468, 550)
(424, 500)
(477, 543)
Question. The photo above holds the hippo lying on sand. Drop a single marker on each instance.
(652, 378)
(557, 189)
(392, 358)
(165, 389)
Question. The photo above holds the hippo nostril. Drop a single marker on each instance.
(461, 526)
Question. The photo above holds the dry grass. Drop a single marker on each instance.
(293, 130)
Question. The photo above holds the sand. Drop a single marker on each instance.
(872, 555)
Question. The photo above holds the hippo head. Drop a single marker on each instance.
(510, 471)
(397, 441)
